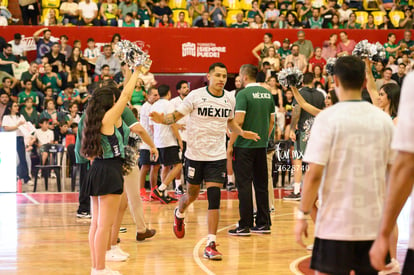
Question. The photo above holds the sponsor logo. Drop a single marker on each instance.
(213, 112)
(206, 50)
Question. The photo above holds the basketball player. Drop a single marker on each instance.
(400, 182)
(210, 111)
(348, 153)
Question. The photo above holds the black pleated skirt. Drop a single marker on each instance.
(105, 177)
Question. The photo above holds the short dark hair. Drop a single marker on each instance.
(388, 69)
(90, 39)
(27, 81)
(163, 90)
(351, 72)
(149, 92)
(268, 33)
(217, 64)
(107, 46)
(266, 63)
(402, 64)
(180, 83)
(70, 85)
(74, 125)
(129, 14)
(64, 36)
(104, 66)
(249, 70)
(43, 120)
(308, 78)
(27, 99)
(5, 78)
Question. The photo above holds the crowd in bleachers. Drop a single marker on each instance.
(285, 14)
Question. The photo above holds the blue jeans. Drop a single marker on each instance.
(22, 170)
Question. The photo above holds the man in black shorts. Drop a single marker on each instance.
(210, 111)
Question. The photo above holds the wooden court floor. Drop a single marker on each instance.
(40, 234)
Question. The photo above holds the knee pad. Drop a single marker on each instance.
(213, 196)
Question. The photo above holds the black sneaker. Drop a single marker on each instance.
(179, 190)
(231, 187)
(161, 196)
(264, 229)
(123, 230)
(292, 197)
(84, 215)
(238, 231)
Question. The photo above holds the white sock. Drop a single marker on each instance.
(162, 187)
(211, 238)
(179, 214)
(230, 178)
(177, 183)
(296, 188)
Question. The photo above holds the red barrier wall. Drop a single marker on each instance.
(193, 50)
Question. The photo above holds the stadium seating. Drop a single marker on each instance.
(51, 4)
(232, 4)
(395, 17)
(231, 16)
(361, 17)
(5, 3)
(378, 17)
(187, 18)
(370, 5)
(45, 12)
(177, 4)
(246, 5)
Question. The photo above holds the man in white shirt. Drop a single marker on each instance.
(348, 152)
(88, 12)
(43, 136)
(211, 111)
(401, 182)
(182, 90)
(168, 142)
(109, 59)
(145, 161)
(344, 12)
(18, 48)
(70, 11)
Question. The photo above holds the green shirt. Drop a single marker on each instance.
(143, 14)
(239, 25)
(252, 14)
(53, 82)
(125, 24)
(388, 45)
(127, 116)
(305, 47)
(127, 8)
(138, 97)
(22, 97)
(7, 68)
(33, 117)
(330, 26)
(283, 53)
(258, 105)
(108, 150)
(352, 27)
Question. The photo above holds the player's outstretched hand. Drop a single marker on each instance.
(378, 252)
(301, 228)
(250, 135)
(154, 154)
(157, 117)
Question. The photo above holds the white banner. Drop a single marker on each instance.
(8, 157)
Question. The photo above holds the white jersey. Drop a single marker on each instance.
(44, 137)
(163, 134)
(207, 124)
(176, 101)
(145, 120)
(404, 134)
(353, 141)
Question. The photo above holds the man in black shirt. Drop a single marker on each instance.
(300, 129)
(204, 22)
(56, 59)
(400, 74)
(262, 75)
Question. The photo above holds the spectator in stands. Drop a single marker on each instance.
(271, 14)
(328, 12)
(51, 18)
(299, 60)
(70, 11)
(144, 12)
(139, 95)
(386, 78)
(377, 70)
(51, 79)
(344, 12)
(264, 74)
(165, 22)
(407, 61)
(43, 137)
(128, 21)
(317, 60)
(391, 64)
(120, 77)
(88, 13)
(43, 44)
(257, 23)
(29, 113)
(7, 55)
(391, 48)
(33, 75)
(357, 4)
(316, 21)
(387, 5)
(75, 57)
(400, 74)
(115, 39)
(30, 11)
(27, 92)
(253, 12)
(204, 22)
(218, 14)
(48, 94)
(60, 132)
(109, 12)
(352, 24)
(346, 46)
(407, 22)
(386, 25)
(370, 25)
(292, 21)
(4, 100)
(335, 24)
(77, 44)
(6, 88)
(127, 6)
(407, 44)
(18, 48)
(318, 77)
(56, 59)
(195, 10)
(92, 52)
(73, 115)
(240, 24)
(65, 48)
(306, 11)
(305, 46)
(263, 46)
(79, 76)
(160, 10)
(181, 23)
(149, 80)
(11, 121)
(330, 49)
(284, 51)
(105, 72)
(273, 59)
(51, 114)
(109, 59)
(67, 96)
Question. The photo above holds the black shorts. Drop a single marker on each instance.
(145, 158)
(340, 257)
(105, 177)
(408, 268)
(207, 171)
(169, 155)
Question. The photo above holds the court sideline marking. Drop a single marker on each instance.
(196, 249)
(30, 198)
(294, 265)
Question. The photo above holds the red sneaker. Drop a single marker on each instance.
(211, 253)
(143, 194)
(179, 226)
